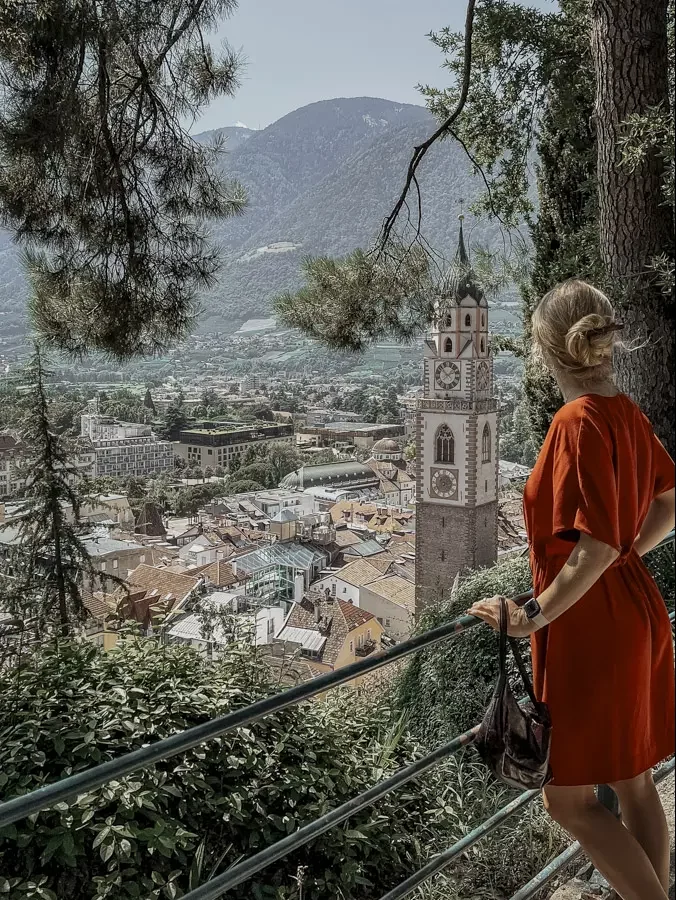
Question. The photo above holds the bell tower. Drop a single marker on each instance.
(456, 438)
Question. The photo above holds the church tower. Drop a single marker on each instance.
(456, 439)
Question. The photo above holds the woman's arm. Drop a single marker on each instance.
(658, 523)
(583, 568)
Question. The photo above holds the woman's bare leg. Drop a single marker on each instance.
(609, 845)
(643, 815)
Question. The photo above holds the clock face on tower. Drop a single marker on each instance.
(483, 377)
(447, 376)
(444, 484)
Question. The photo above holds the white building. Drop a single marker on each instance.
(125, 449)
(232, 616)
(385, 594)
(202, 551)
(397, 487)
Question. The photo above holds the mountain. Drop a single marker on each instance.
(232, 136)
(319, 180)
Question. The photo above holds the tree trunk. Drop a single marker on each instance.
(629, 47)
(60, 580)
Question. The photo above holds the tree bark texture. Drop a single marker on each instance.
(629, 47)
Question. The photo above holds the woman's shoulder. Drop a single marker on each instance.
(603, 415)
(593, 412)
(597, 406)
(575, 411)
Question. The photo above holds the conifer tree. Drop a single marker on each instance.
(99, 179)
(176, 417)
(148, 402)
(49, 565)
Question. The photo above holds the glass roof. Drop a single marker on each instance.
(291, 555)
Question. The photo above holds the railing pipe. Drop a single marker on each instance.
(435, 865)
(25, 805)
(82, 782)
(245, 870)
(543, 878)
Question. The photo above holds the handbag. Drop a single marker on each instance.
(514, 740)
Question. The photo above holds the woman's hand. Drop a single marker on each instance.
(518, 625)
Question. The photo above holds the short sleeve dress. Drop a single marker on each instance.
(606, 666)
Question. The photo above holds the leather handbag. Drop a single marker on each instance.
(514, 739)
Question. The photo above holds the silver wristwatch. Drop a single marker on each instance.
(534, 613)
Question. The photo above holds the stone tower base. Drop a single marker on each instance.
(451, 540)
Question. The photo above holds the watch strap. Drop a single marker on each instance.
(540, 620)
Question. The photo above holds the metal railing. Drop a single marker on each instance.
(28, 804)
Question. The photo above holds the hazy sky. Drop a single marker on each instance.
(301, 51)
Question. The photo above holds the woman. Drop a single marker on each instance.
(601, 495)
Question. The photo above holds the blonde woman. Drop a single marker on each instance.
(601, 496)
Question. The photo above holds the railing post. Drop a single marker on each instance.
(608, 798)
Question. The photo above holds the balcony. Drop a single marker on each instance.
(366, 648)
(81, 782)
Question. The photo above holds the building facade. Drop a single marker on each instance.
(397, 487)
(13, 456)
(456, 439)
(125, 449)
(213, 444)
(345, 435)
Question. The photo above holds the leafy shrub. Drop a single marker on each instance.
(502, 862)
(160, 831)
(445, 690)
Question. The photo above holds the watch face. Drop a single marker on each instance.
(447, 376)
(531, 608)
(444, 484)
(483, 377)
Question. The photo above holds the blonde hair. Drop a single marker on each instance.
(574, 330)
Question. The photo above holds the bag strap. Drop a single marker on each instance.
(515, 652)
(502, 644)
(522, 671)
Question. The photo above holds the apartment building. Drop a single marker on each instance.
(125, 448)
(215, 444)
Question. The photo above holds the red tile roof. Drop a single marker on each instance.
(354, 616)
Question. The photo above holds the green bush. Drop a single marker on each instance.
(445, 690)
(160, 831)
(660, 562)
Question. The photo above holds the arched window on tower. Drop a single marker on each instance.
(483, 320)
(468, 321)
(445, 445)
(483, 345)
(448, 346)
(486, 444)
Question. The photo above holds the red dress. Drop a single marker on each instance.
(606, 666)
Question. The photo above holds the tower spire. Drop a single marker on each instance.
(462, 252)
(459, 280)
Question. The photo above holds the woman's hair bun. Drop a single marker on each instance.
(589, 341)
(574, 330)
